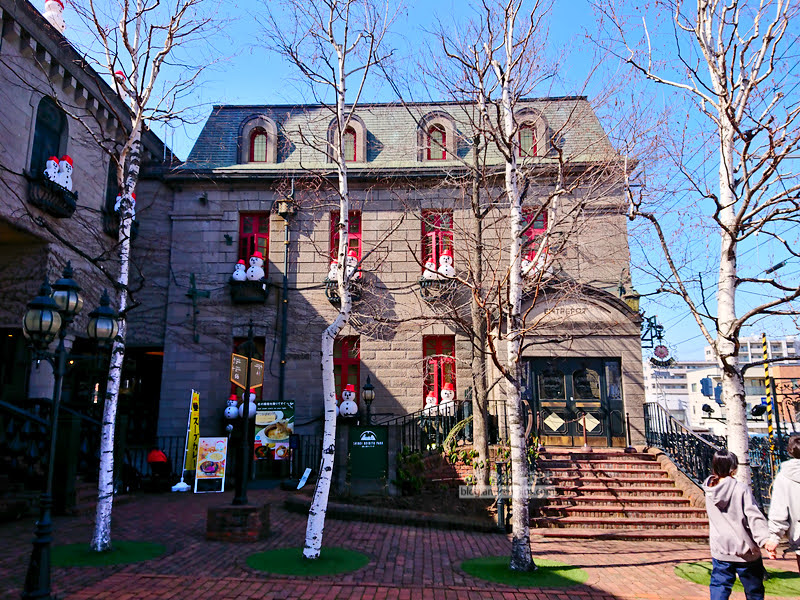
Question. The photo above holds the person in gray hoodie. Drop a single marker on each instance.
(737, 529)
(784, 508)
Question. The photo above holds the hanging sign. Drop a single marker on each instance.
(239, 371)
(662, 358)
(274, 428)
(212, 454)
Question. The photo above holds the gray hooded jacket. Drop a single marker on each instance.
(737, 527)
(784, 509)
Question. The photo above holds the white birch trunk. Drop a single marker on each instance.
(319, 505)
(101, 541)
(521, 559)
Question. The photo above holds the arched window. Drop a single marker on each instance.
(49, 136)
(258, 145)
(349, 141)
(527, 140)
(437, 143)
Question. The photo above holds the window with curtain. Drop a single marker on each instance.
(527, 140)
(258, 145)
(349, 145)
(437, 143)
(50, 130)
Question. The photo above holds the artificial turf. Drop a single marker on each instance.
(81, 555)
(549, 573)
(778, 583)
(290, 561)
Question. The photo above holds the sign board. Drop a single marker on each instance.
(369, 452)
(274, 429)
(212, 455)
(194, 431)
(239, 371)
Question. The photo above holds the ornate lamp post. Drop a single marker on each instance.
(49, 315)
(368, 395)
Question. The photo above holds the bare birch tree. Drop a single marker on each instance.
(732, 69)
(332, 44)
(137, 45)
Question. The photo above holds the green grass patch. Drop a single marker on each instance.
(290, 561)
(778, 583)
(549, 574)
(81, 555)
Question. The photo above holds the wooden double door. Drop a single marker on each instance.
(570, 392)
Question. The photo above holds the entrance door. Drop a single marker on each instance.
(570, 392)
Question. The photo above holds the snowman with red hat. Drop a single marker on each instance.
(332, 270)
(54, 13)
(446, 268)
(51, 168)
(448, 395)
(64, 177)
(348, 406)
(119, 83)
(256, 270)
(430, 402)
(352, 263)
(239, 271)
(118, 205)
(430, 270)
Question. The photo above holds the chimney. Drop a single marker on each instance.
(54, 13)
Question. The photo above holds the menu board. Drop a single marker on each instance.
(274, 426)
(212, 454)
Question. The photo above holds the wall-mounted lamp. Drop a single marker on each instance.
(368, 395)
(203, 199)
(228, 240)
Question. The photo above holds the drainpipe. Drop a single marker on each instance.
(286, 208)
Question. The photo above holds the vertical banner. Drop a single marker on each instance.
(212, 455)
(194, 431)
(274, 426)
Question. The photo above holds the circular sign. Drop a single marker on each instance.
(661, 351)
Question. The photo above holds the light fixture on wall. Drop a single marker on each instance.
(368, 394)
(203, 199)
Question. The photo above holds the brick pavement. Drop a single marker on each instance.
(406, 562)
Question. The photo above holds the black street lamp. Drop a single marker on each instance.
(49, 315)
(368, 394)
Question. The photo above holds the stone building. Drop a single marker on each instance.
(409, 204)
(53, 104)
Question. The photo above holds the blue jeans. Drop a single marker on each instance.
(724, 573)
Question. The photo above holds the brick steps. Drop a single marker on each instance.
(612, 495)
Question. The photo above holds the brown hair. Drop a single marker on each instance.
(793, 447)
(723, 465)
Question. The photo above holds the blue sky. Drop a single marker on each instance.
(250, 74)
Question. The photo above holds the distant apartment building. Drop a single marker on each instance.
(751, 349)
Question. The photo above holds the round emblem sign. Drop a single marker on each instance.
(661, 352)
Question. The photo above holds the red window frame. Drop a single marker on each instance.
(535, 232)
(439, 354)
(354, 235)
(437, 149)
(346, 145)
(258, 133)
(347, 364)
(437, 234)
(526, 130)
(254, 235)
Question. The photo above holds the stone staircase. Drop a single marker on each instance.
(613, 495)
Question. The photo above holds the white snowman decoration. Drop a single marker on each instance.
(332, 270)
(352, 262)
(119, 83)
(348, 406)
(231, 410)
(51, 169)
(239, 271)
(54, 13)
(430, 270)
(448, 394)
(118, 205)
(252, 405)
(430, 402)
(446, 268)
(256, 270)
(64, 178)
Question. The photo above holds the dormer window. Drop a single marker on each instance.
(527, 140)
(437, 143)
(349, 141)
(258, 145)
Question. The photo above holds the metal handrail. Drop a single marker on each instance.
(691, 453)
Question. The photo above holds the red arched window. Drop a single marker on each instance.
(258, 145)
(437, 143)
(349, 145)
(527, 140)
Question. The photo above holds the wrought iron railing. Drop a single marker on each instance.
(691, 453)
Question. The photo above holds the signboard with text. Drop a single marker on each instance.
(239, 371)
(274, 428)
(212, 454)
(369, 452)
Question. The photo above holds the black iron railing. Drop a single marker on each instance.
(691, 453)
